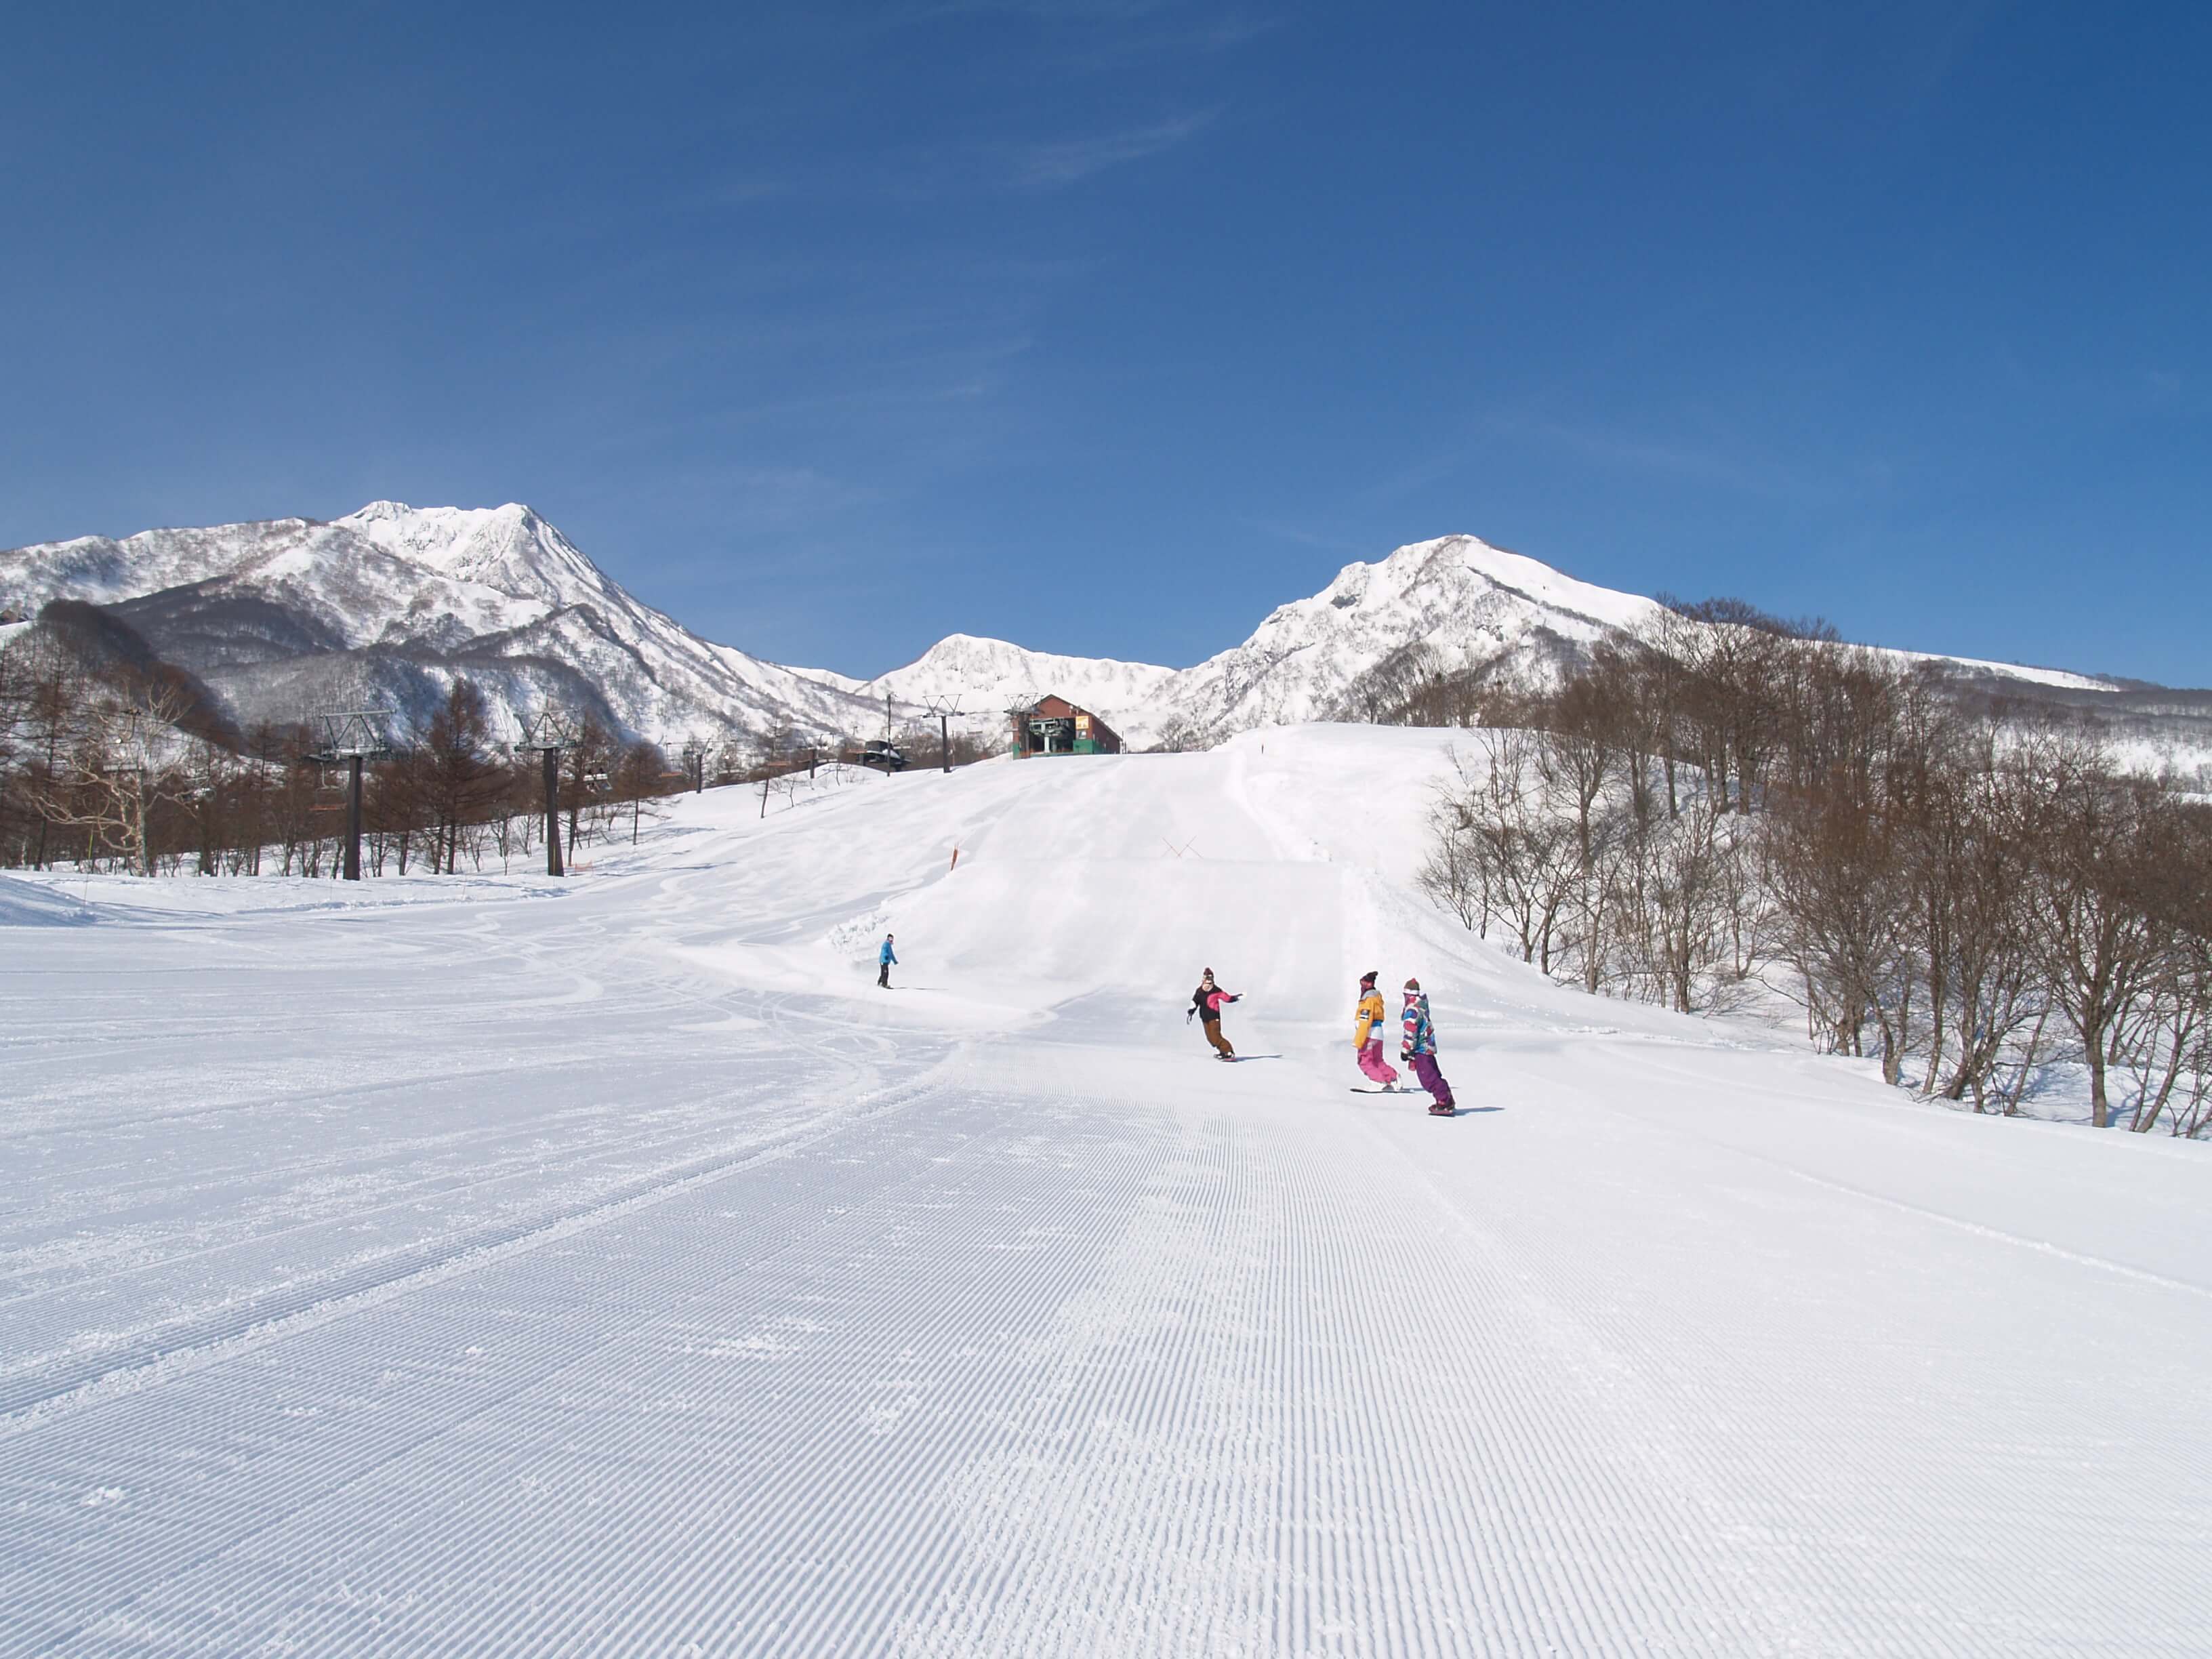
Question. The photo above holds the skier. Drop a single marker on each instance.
(1207, 1002)
(1367, 1036)
(1419, 1049)
(886, 959)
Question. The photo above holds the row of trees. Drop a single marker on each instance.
(1727, 807)
(110, 757)
(115, 766)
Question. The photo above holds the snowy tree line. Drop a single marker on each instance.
(110, 759)
(1726, 807)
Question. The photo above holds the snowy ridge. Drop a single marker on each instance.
(390, 602)
(393, 601)
(670, 1289)
(987, 676)
(1465, 601)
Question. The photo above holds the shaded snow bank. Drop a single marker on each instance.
(25, 903)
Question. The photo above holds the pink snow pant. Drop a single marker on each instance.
(1424, 1067)
(1378, 1070)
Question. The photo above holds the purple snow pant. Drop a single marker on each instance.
(1378, 1070)
(1424, 1067)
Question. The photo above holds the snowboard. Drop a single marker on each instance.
(1380, 1089)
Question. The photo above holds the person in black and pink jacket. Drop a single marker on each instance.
(1207, 1002)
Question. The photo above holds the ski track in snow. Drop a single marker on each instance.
(624, 1274)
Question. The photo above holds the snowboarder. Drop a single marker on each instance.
(886, 959)
(1419, 1049)
(1367, 1035)
(1207, 1002)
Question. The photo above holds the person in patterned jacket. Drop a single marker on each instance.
(1418, 1047)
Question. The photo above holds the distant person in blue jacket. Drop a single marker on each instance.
(885, 959)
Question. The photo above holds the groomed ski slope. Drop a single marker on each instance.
(473, 1267)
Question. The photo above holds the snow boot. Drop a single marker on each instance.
(1437, 1108)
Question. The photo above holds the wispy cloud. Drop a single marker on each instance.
(930, 173)
(1717, 462)
(1086, 36)
(1058, 11)
(1713, 462)
(1057, 164)
(1300, 536)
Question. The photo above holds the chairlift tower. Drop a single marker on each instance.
(351, 735)
(1018, 720)
(944, 711)
(547, 734)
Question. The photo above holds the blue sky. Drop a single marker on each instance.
(1107, 325)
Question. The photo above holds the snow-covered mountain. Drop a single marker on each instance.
(986, 677)
(391, 603)
(1460, 600)
(1465, 601)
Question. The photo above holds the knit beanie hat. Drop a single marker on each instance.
(1367, 980)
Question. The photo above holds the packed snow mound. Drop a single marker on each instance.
(34, 904)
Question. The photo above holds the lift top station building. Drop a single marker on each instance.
(1054, 725)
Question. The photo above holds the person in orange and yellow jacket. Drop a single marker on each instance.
(1367, 1035)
